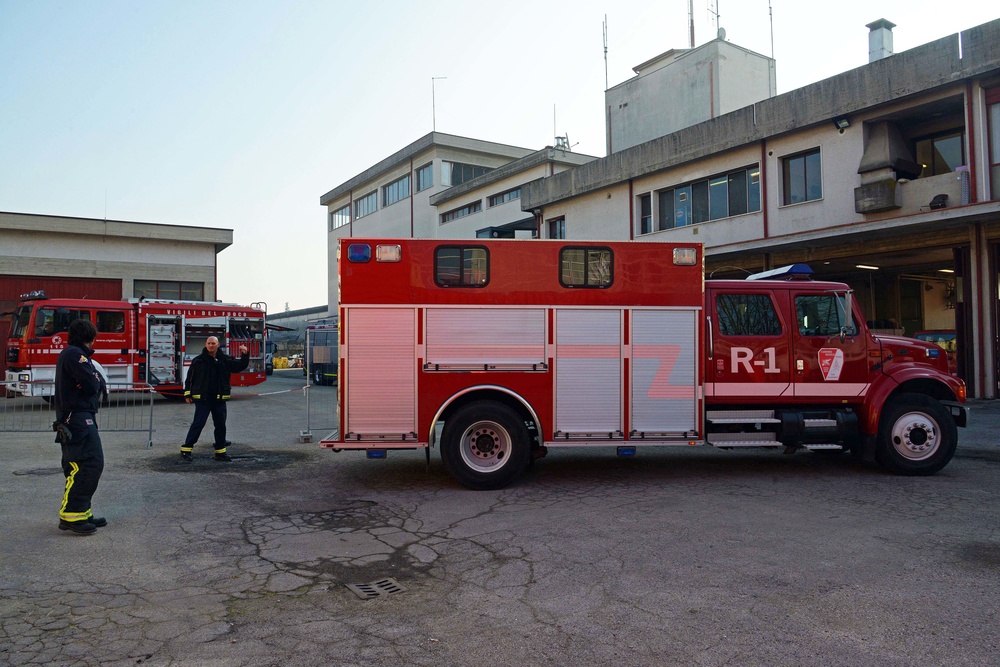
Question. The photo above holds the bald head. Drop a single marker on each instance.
(212, 345)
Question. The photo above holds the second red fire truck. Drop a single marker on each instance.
(139, 341)
(496, 351)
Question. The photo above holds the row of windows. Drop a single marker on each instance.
(755, 315)
(395, 191)
(504, 197)
(477, 206)
(50, 321)
(168, 289)
(452, 173)
(721, 196)
(469, 209)
(456, 173)
(469, 266)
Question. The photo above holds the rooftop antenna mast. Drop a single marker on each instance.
(434, 103)
(605, 27)
(770, 17)
(713, 10)
(691, 23)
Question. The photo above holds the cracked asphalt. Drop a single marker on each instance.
(676, 557)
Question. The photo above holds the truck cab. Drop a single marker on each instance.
(780, 339)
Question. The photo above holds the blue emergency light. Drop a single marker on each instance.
(375, 453)
(790, 272)
(627, 450)
(359, 253)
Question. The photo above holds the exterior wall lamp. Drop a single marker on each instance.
(842, 122)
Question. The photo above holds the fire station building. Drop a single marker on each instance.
(886, 177)
(105, 259)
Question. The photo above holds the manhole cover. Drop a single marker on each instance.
(375, 589)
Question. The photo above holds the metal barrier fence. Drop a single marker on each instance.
(128, 407)
(321, 380)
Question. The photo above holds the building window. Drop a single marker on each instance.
(645, 214)
(721, 196)
(456, 266)
(456, 173)
(168, 289)
(365, 205)
(557, 228)
(425, 176)
(340, 217)
(586, 267)
(993, 115)
(747, 315)
(457, 213)
(398, 189)
(504, 197)
(941, 153)
(802, 178)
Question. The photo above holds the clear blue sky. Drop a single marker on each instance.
(241, 114)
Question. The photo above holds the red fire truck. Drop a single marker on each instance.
(139, 341)
(513, 347)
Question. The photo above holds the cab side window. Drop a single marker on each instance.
(747, 315)
(49, 321)
(819, 314)
(112, 321)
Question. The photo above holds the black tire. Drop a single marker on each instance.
(485, 445)
(916, 435)
(318, 377)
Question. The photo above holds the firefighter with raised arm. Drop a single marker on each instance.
(78, 390)
(208, 387)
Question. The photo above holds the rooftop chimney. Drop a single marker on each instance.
(879, 39)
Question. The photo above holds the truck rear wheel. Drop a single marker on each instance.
(916, 436)
(485, 445)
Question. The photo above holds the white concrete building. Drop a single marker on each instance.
(683, 87)
(886, 176)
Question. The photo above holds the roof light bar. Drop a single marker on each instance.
(790, 272)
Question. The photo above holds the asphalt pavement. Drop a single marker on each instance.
(295, 555)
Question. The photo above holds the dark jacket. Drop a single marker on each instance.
(78, 384)
(208, 376)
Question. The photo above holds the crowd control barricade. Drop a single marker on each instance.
(321, 381)
(127, 408)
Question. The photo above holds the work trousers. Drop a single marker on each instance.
(202, 409)
(82, 464)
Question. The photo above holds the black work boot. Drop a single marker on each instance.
(78, 527)
(223, 457)
(186, 457)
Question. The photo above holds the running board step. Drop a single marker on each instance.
(828, 447)
(741, 417)
(742, 440)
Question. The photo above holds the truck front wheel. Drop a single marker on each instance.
(485, 445)
(916, 436)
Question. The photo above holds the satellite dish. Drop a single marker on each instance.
(722, 33)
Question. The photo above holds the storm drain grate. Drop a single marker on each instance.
(376, 589)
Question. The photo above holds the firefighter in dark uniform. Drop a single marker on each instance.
(78, 390)
(208, 387)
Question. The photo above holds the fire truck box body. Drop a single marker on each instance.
(506, 348)
(149, 341)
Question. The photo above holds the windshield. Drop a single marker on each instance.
(19, 325)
